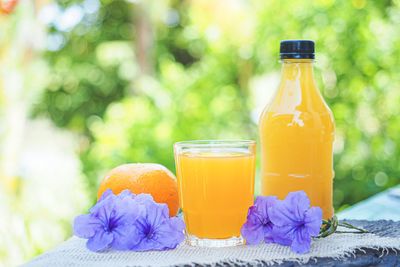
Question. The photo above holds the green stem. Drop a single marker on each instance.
(350, 226)
(330, 226)
(349, 232)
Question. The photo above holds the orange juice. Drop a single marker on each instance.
(297, 133)
(216, 189)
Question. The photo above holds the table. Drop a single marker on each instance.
(371, 257)
(73, 253)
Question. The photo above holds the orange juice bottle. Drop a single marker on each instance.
(297, 132)
(216, 189)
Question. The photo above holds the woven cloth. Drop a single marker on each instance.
(73, 252)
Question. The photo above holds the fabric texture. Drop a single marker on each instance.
(73, 252)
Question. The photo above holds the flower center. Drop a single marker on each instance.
(301, 225)
(149, 232)
(112, 223)
(265, 221)
(110, 226)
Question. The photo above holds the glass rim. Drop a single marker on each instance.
(215, 143)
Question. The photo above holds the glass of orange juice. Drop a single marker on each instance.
(216, 189)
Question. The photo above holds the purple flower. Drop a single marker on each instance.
(129, 222)
(124, 194)
(109, 223)
(155, 229)
(258, 226)
(295, 222)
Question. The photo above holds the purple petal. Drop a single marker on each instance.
(291, 210)
(302, 241)
(106, 193)
(144, 199)
(125, 237)
(156, 230)
(268, 235)
(298, 202)
(177, 224)
(156, 213)
(126, 211)
(100, 241)
(145, 233)
(253, 233)
(104, 208)
(252, 229)
(313, 220)
(258, 226)
(263, 204)
(145, 245)
(85, 226)
(282, 241)
(252, 216)
(146, 242)
(283, 235)
(126, 193)
(122, 222)
(281, 214)
(167, 237)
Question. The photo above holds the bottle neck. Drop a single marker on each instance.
(298, 69)
(297, 89)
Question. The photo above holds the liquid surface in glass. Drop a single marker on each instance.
(216, 189)
(297, 133)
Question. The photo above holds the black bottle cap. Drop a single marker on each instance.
(297, 49)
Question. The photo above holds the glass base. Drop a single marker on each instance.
(214, 243)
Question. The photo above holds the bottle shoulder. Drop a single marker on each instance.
(294, 98)
(275, 109)
(298, 122)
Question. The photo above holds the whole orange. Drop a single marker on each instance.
(147, 178)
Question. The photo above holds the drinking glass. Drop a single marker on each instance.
(216, 189)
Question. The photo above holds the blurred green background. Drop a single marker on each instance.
(90, 84)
